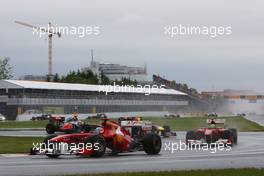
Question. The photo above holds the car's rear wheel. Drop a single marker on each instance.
(190, 135)
(98, 145)
(152, 143)
(50, 128)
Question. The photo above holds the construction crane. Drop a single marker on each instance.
(50, 33)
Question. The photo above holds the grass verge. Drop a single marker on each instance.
(23, 124)
(17, 144)
(215, 172)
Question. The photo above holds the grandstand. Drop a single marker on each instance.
(18, 97)
(197, 102)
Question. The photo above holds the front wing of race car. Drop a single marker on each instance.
(60, 149)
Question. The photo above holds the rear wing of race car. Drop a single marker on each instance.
(129, 123)
(129, 118)
(215, 121)
(57, 118)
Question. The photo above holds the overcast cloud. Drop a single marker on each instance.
(132, 33)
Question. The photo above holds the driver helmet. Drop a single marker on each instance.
(75, 115)
(212, 124)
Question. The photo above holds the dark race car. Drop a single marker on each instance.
(213, 134)
(140, 126)
(97, 116)
(59, 124)
(211, 115)
(94, 143)
(241, 115)
(171, 115)
(41, 117)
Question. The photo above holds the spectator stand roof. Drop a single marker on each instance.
(22, 84)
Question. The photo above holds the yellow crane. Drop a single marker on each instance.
(50, 33)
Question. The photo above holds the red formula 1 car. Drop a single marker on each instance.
(94, 143)
(59, 124)
(213, 134)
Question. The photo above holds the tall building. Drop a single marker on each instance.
(117, 71)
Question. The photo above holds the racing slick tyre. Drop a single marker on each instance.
(50, 128)
(51, 146)
(98, 145)
(234, 132)
(42, 146)
(227, 134)
(152, 143)
(190, 135)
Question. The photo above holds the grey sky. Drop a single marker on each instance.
(132, 33)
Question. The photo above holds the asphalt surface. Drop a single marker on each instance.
(24, 133)
(248, 153)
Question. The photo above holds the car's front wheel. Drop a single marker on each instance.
(51, 146)
(228, 135)
(152, 143)
(234, 132)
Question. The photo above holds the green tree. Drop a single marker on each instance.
(84, 77)
(104, 79)
(125, 81)
(5, 68)
(173, 83)
(56, 78)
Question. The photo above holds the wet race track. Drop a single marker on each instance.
(248, 153)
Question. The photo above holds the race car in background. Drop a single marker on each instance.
(41, 117)
(241, 114)
(211, 115)
(139, 127)
(59, 124)
(172, 115)
(97, 116)
(212, 134)
(110, 135)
